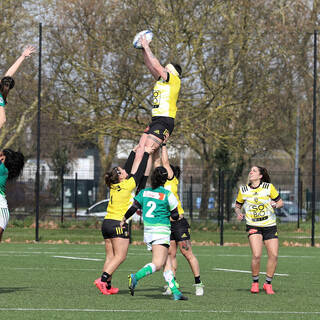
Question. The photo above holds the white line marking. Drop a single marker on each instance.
(77, 258)
(264, 256)
(245, 271)
(166, 310)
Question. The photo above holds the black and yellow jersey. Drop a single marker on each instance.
(121, 198)
(172, 185)
(165, 96)
(257, 204)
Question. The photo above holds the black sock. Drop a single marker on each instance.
(105, 276)
(197, 280)
(109, 284)
(255, 278)
(268, 279)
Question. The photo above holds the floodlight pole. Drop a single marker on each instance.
(313, 202)
(37, 186)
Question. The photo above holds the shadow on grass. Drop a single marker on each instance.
(13, 289)
(145, 292)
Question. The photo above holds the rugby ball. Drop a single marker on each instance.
(136, 41)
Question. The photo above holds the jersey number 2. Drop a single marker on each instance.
(152, 206)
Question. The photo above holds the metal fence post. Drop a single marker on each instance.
(62, 194)
(221, 204)
(190, 200)
(75, 194)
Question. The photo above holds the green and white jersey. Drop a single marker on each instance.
(2, 103)
(156, 206)
(3, 178)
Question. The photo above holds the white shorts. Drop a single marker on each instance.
(4, 212)
(156, 235)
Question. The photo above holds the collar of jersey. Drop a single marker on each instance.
(256, 187)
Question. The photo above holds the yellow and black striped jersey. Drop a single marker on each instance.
(257, 204)
(121, 199)
(172, 185)
(165, 96)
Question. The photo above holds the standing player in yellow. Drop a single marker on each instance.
(122, 185)
(180, 229)
(165, 96)
(258, 199)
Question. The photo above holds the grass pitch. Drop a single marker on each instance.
(45, 281)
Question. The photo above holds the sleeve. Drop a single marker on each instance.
(172, 79)
(239, 199)
(131, 211)
(142, 168)
(172, 200)
(168, 77)
(274, 194)
(2, 102)
(129, 162)
(174, 214)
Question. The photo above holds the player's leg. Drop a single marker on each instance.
(139, 152)
(272, 246)
(4, 219)
(186, 250)
(120, 248)
(170, 279)
(256, 245)
(159, 256)
(172, 255)
(104, 283)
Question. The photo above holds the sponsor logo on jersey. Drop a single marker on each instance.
(154, 195)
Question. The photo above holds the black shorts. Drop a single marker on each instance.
(111, 229)
(180, 230)
(160, 127)
(266, 232)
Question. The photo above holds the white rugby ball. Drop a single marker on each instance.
(136, 41)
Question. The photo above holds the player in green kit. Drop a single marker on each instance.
(157, 205)
(11, 165)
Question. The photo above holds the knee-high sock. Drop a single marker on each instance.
(145, 271)
(169, 277)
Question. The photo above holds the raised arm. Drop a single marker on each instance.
(156, 158)
(152, 63)
(165, 161)
(26, 53)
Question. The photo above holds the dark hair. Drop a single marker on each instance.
(176, 171)
(14, 162)
(159, 177)
(177, 67)
(265, 175)
(6, 84)
(112, 177)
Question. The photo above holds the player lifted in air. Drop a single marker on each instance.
(164, 105)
